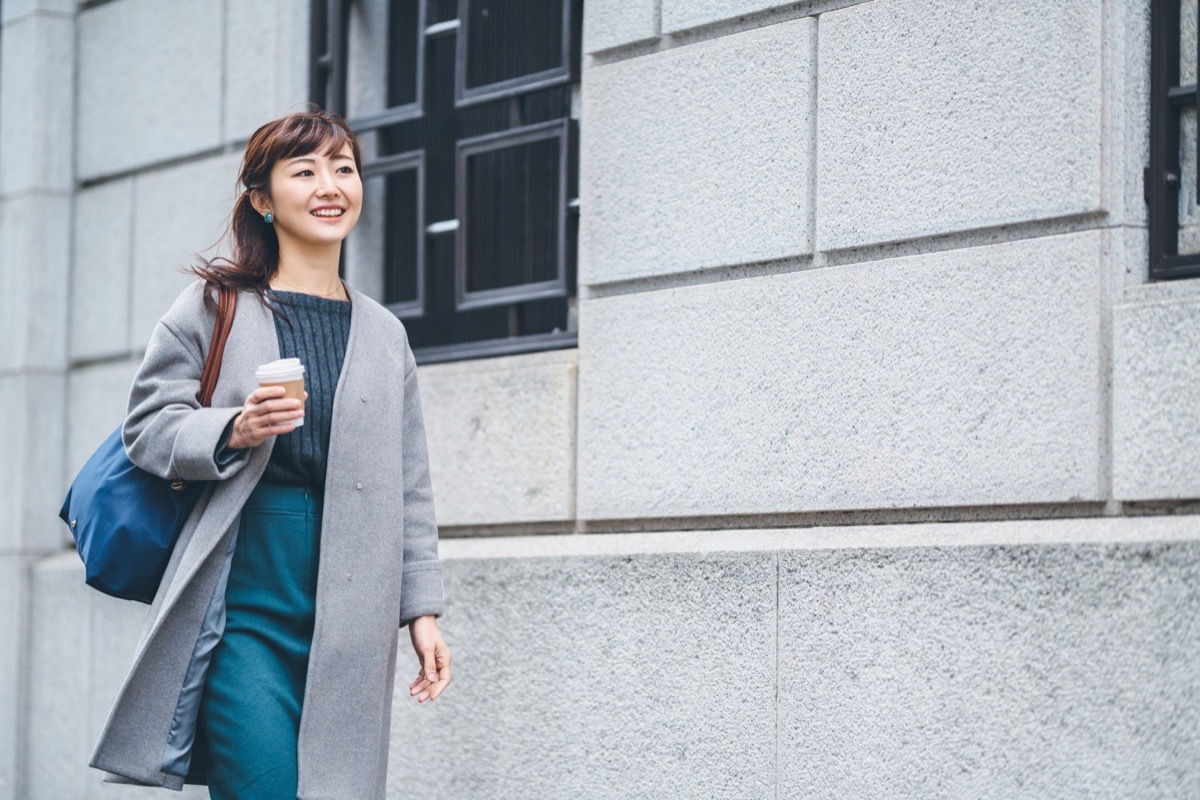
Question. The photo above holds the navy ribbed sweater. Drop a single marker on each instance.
(317, 334)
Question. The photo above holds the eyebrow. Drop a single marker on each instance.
(334, 157)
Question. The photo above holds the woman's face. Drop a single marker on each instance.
(315, 198)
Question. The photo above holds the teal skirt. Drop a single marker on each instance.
(254, 689)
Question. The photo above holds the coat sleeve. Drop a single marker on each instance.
(166, 431)
(421, 590)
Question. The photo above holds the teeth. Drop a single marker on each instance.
(328, 212)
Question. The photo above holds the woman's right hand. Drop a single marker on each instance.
(266, 413)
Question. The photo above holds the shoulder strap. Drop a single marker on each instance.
(226, 305)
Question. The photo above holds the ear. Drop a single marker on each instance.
(261, 201)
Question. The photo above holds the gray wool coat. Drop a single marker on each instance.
(378, 563)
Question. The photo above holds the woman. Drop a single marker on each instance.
(267, 664)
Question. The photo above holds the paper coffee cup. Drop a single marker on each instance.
(288, 373)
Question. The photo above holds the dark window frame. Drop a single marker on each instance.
(330, 46)
(383, 168)
(1162, 179)
(500, 89)
(557, 287)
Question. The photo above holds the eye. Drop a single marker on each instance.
(347, 170)
(304, 173)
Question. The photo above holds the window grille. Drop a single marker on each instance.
(1171, 189)
(470, 160)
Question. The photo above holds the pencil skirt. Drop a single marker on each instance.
(254, 689)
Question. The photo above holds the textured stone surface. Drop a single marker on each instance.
(97, 399)
(501, 437)
(598, 677)
(58, 696)
(364, 248)
(956, 378)
(102, 260)
(15, 9)
(266, 63)
(1156, 396)
(613, 23)
(365, 93)
(1143, 529)
(178, 212)
(679, 15)
(36, 76)
(12, 647)
(34, 268)
(1046, 658)
(149, 83)
(936, 117)
(998, 672)
(1128, 93)
(31, 440)
(697, 156)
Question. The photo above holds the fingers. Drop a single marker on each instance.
(442, 682)
(267, 413)
(427, 677)
(428, 685)
(431, 672)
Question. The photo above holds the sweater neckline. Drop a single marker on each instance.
(305, 300)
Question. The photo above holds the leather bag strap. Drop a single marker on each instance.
(226, 305)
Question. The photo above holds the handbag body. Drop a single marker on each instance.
(125, 520)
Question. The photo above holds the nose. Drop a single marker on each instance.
(327, 186)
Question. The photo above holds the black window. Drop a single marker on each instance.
(470, 160)
(1171, 181)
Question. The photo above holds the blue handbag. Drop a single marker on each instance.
(125, 520)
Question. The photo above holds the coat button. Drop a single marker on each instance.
(364, 398)
(359, 485)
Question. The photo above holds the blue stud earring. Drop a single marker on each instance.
(268, 218)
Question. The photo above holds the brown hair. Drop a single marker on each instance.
(255, 247)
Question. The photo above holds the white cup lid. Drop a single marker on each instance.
(285, 369)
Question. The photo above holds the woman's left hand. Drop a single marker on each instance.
(434, 656)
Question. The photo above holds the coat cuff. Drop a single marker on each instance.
(196, 444)
(226, 455)
(421, 591)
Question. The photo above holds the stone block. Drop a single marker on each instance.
(964, 377)
(990, 672)
(698, 156)
(647, 676)
(937, 117)
(613, 23)
(266, 73)
(13, 10)
(12, 647)
(58, 680)
(501, 435)
(679, 15)
(150, 83)
(31, 471)
(102, 261)
(366, 94)
(97, 401)
(35, 254)
(364, 248)
(179, 212)
(1156, 396)
(1127, 88)
(36, 76)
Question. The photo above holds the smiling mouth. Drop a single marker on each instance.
(328, 212)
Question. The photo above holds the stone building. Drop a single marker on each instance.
(835, 433)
